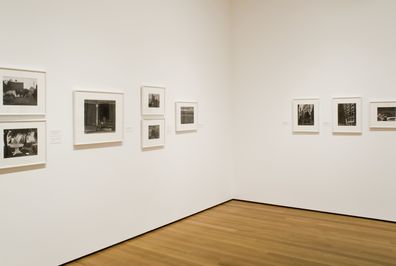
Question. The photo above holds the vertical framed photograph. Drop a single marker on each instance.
(24, 143)
(306, 115)
(153, 133)
(186, 116)
(23, 92)
(383, 114)
(347, 115)
(153, 100)
(98, 117)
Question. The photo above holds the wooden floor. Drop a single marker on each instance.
(241, 233)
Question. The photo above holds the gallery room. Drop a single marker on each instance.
(198, 132)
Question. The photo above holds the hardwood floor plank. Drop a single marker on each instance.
(251, 234)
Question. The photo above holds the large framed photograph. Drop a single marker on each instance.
(186, 116)
(23, 92)
(383, 114)
(306, 115)
(153, 133)
(98, 117)
(24, 143)
(153, 100)
(347, 115)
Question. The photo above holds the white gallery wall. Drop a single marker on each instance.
(284, 49)
(87, 199)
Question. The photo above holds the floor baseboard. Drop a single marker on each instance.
(311, 210)
(181, 219)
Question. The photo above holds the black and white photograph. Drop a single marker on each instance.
(19, 91)
(386, 114)
(347, 114)
(306, 114)
(23, 92)
(187, 115)
(24, 143)
(20, 142)
(383, 115)
(99, 116)
(154, 132)
(154, 100)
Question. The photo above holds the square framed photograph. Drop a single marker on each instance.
(153, 100)
(186, 116)
(347, 115)
(98, 117)
(24, 143)
(23, 92)
(153, 133)
(306, 115)
(383, 114)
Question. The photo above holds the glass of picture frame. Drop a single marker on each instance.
(383, 114)
(306, 115)
(186, 116)
(153, 133)
(153, 100)
(347, 115)
(24, 92)
(98, 117)
(24, 143)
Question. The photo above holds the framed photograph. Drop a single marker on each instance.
(186, 116)
(347, 115)
(24, 143)
(306, 115)
(153, 100)
(383, 114)
(23, 92)
(98, 117)
(153, 133)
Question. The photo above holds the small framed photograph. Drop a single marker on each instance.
(153, 133)
(383, 114)
(347, 115)
(98, 117)
(153, 100)
(306, 115)
(23, 92)
(24, 143)
(186, 116)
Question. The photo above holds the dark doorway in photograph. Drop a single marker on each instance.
(306, 114)
(347, 114)
(154, 132)
(20, 142)
(19, 91)
(154, 100)
(387, 114)
(187, 115)
(99, 116)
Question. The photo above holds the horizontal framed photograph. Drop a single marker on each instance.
(153, 133)
(186, 116)
(347, 115)
(24, 143)
(306, 115)
(153, 100)
(383, 114)
(23, 92)
(98, 117)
